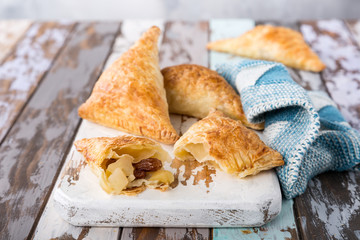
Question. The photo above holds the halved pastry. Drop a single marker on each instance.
(194, 90)
(126, 164)
(130, 94)
(228, 145)
(272, 43)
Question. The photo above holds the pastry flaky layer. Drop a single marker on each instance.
(278, 44)
(226, 144)
(194, 90)
(126, 164)
(130, 94)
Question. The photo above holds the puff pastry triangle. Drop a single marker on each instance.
(116, 160)
(228, 145)
(130, 94)
(272, 43)
(194, 90)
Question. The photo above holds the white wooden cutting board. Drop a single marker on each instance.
(202, 198)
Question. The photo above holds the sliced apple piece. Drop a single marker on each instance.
(118, 180)
(162, 176)
(124, 163)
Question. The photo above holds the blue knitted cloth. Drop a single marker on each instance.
(305, 127)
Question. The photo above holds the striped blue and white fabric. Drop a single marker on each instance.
(305, 127)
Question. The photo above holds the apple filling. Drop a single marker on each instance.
(125, 172)
(196, 151)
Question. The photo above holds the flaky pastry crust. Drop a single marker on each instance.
(226, 144)
(130, 95)
(99, 152)
(272, 43)
(194, 90)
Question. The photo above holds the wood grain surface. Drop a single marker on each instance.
(354, 26)
(129, 32)
(182, 42)
(336, 47)
(330, 207)
(10, 33)
(33, 151)
(65, 230)
(38, 133)
(284, 225)
(21, 72)
(165, 234)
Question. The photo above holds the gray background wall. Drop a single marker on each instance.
(179, 9)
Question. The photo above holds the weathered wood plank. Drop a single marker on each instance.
(183, 42)
(165, 234)
(129, 32)
(52, 226)
(330, 209)
(354, 26)
(24, 68)
(10, 33)
(34, 149)
(284, 225)
(335, 46)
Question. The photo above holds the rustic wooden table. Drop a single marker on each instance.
(47, 69)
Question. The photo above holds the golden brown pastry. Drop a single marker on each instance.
(125, 164)
(272, 43)
(228, 145)
(130, 94)
(194, 90)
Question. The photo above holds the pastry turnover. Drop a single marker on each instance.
(228, 145)
(126, 164)
(130, 94)
(194, 90)
(272, 43)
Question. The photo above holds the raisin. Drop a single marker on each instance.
(139, 174)
(149, 164)
(146, 165)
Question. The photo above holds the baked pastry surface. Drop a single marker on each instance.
(272, 43)
(228, 145)
(194, 90)
(115, 159)
(130, 95)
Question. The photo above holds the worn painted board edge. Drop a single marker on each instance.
(330, 206)
(11, 31)
(24, 68)
(187, 205)
(184, 43)
(335, 45)
(64, 229)
(283, 226)
(35, 146)
(165, 233)
(354, 27)
(130, 30)
(64, 198)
